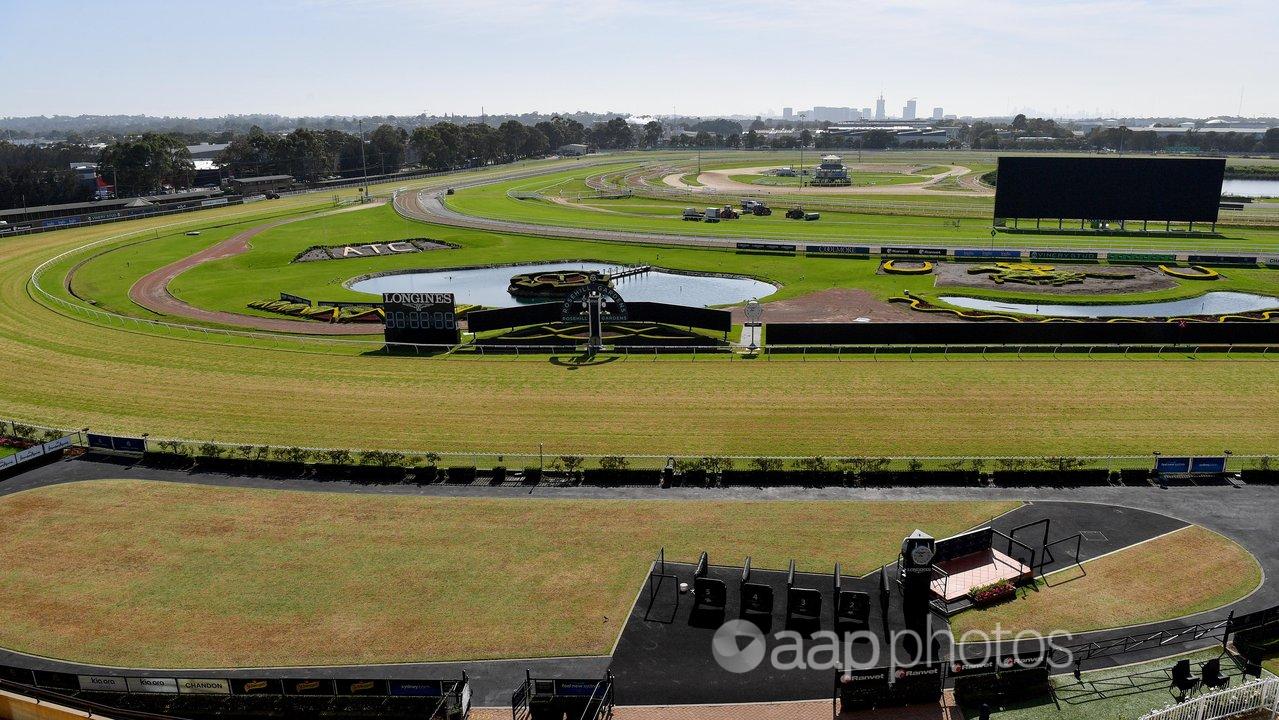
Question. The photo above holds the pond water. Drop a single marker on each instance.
(1213, 303)
(487, 286)
(1250, 188)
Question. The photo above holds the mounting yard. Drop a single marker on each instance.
(153, 574)
(1185, 572)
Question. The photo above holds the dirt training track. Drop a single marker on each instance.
(721, 181)
(152, 290)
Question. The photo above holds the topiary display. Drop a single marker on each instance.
(552, 284)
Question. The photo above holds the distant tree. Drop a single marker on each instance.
(805, 137)
(535, 143)
(1270, 141)
(720, 127)
(1019, 122)
(387, 144)
(147, 164)
(652, 134)
(752, 138)
(878, 140)
(512, 134)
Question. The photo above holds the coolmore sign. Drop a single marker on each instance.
(35, 451)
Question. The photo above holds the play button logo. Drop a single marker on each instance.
(738, 646)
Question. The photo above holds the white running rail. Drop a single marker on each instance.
(1257, 699)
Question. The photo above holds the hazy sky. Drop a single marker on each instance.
(313, 57)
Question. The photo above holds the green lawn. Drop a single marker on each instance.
(156, 574)
(1186, 572)
(1124, 693)
(859, 179)
(897, 219)
(63, 370)
(7, 451)
(266, 270)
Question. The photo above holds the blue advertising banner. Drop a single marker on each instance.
(1172, 465)
(416, 688)
(1213, 465)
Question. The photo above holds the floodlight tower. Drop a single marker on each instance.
(801, 151)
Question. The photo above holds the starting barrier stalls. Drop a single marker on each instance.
(246, 698)
(851, 611)
(803, 604)
(757, 598)
(709, 594)
(559, 698)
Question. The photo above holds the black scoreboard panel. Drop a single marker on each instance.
(420, 318)
(1100, 188)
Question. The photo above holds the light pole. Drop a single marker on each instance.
(364, 162)
(801, 151)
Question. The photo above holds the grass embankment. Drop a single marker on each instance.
(165, 575)
(1185, 572)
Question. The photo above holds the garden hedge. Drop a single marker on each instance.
(927, 478)
(1051, 478)
(1260, 477)
(601, 477)
(461, 475)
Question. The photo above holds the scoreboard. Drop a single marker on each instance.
(420, 318)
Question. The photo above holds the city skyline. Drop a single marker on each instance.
(403, 57)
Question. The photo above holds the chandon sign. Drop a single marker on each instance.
(420, 318)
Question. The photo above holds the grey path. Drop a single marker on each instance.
(1246, 515)
(428, 206)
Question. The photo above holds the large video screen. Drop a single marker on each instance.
(1102, 188)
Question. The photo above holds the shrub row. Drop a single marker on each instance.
(694, 477)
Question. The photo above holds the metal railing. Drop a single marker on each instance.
(1259, 696)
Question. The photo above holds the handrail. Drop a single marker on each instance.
(1079, 540)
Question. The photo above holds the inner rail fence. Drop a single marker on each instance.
(1258, 699)
(571, 463)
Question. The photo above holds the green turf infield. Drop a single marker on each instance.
(151, 574)
(62, 369)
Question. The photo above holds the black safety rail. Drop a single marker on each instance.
(1080, 653)
(1048, 556)
(600, 705)
(656, 576)
(75, 703)
(1047, 523)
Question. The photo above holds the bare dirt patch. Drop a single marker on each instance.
(1142, 280)
(842, 305)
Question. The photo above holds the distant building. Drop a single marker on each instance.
(788, 113)
(261, 184)
(865, 114)
(831, 172)
(879, 108)
(573, 149)
(832, 114)
(908, 112)
(937, 113)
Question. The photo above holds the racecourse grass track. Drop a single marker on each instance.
(1185, 572)
(60, 368)
(152, 574)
